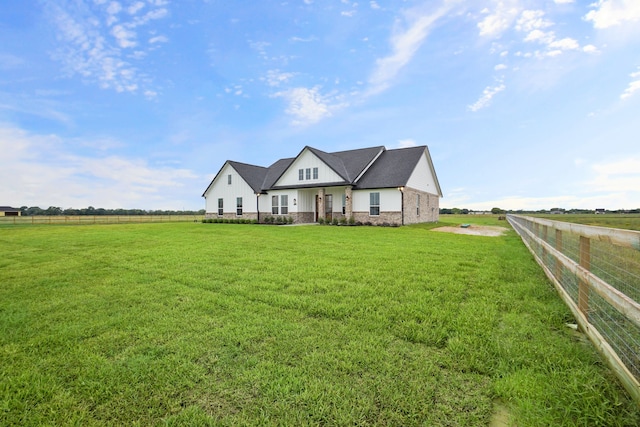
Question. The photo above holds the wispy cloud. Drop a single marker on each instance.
(534, 24)
(410, 33)
(93, 42)
(634, 85)
(487, 95)
(275, 78)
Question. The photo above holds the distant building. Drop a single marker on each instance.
(600, 211)
(9, 211)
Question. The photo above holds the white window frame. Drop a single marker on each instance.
(315, 173)
(307, 173)
(220, 207)
(284, 204)
(374, 203)
(238, 206)
(300, 174)
(229, 179)
(274, 205)
(417, 204)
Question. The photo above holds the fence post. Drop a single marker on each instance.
(559, 249)
(583, 287)
(545, 238)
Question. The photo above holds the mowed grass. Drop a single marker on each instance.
(625, 221)
(220, 324)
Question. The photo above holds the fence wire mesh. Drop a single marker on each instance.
(618, 266)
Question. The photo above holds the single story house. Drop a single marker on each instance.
(9, 211)
(376, 185)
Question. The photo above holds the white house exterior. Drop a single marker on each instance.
(373, 185)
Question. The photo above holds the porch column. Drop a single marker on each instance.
(348, 204)
(321, 203)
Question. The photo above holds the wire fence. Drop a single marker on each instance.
(97, 219)
(597, 272)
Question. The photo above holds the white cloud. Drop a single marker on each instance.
(534, 24)
(374, 5)
(532, 20)
(275, 78)
(590, 49)
(565, 44)
(611, 13)
(540, 37)
(494, 24)
(563, 1)
(405, 42)
(500, 67)
(158, 39)
(487, 95)
(634, 85)
(90, 45)
(135, 7)
(57, 177)
(123, 36)
(307, 106)
(617, 176)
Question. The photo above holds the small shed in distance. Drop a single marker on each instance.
(9, 211)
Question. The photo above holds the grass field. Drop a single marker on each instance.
(626, 221)
(220, 324)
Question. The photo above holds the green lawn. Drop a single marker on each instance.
(626, 221)
(220, 324)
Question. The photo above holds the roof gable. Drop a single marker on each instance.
(392, 169)
(251, 174)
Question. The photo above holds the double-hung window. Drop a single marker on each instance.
(274, 204)
(239, 206)
(374, 204)
(220, 207)
(307, 173)
(300, 174)
(315, 173)
(284, 204)
(229, 179)
(417, 204)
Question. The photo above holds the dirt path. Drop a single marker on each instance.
(475, 230)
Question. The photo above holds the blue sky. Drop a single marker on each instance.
(524, 104)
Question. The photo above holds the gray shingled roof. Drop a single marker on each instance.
(348, 164)
(253, 175)
(392, 169)
(275, 171)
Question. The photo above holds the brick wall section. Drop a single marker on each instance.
(429, 206)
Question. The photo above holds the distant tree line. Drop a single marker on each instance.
(57, 211)
(457, 211)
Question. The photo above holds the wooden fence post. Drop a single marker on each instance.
(583, 287)
(545, 236)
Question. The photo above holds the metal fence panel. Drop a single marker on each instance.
(597, 272)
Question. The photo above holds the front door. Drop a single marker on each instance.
(328, 207)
